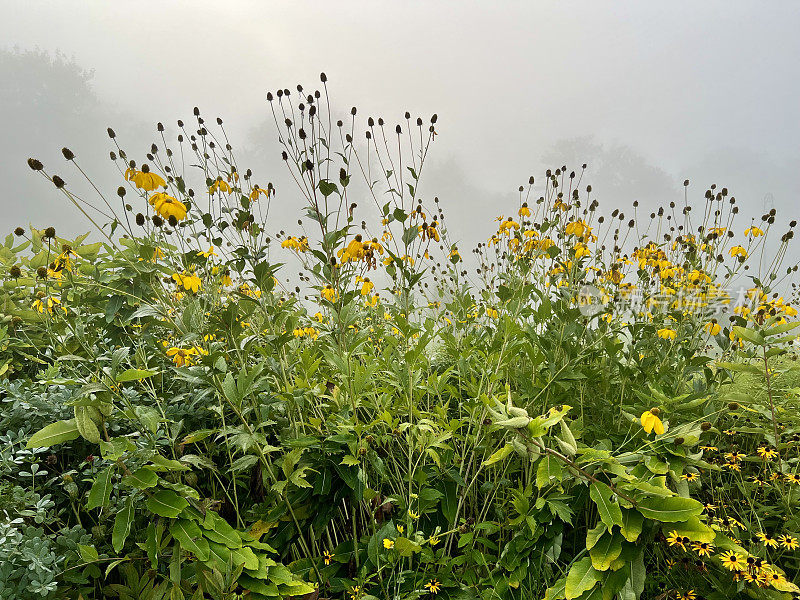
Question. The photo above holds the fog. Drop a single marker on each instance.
(647, 94)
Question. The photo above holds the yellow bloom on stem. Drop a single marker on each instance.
(168, 206)
(207, 253)
(328, 293)
(667, 333)
(256, 191)
(433, 586)
(713, 327)
(738, 251)
(388, 544)
(219, 186)
(48, 305)
(788, 542)
(650, 422)
(366, 287)
(732, 561)
(327, 557)
(524, 211)
(753, 231)
(189, 281)
(182, 356)
(145, 180)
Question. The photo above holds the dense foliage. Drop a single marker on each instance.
(590, 415)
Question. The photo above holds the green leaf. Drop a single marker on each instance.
(55, 433)
(581, 578)
(631, 526)
(327, 188)
(671, 509)
(142, 479)
(84, 419)
(88, 553)
(750, 335)
(166, 503)
(220, 531)
(134, 375)
(100, 493)
(694, 529)
(592, 535)
(406, 547)
(499, 455)
(122, 525)
(606, 551)
(549, 468)
(191, 538)
(610, 512)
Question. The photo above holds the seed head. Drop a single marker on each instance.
(68, 154)
(34, 164)
(19, 232)
(50, 233)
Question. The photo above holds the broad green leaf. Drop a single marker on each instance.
(406, 547)
(606, 551)
(100, 493)
(694, 529)
(166, 503)
(191, 538)
(122, 525)
(84, 419)
(672, 509)
(142, 479)
(549, 468)
(220, 531)
(581, 578)
(593, 535)
(499, 455)
(88, 553)
(631, 526)
(55, 433)
(134, 375)
(609, 510)
(750, 335)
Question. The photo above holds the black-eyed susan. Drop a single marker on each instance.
(327, 557)
(329, 294)
(732, 561)
(793, 478)
(767, 540)
(182, 356)
(690, 476)
(703, 548)
(673, 539)
(433, 586)
(767, 453)
(789, 542)
(687, 595)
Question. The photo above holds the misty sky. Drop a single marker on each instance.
(648, 94)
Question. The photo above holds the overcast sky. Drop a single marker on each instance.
(646, 93)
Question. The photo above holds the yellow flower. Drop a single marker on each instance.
(328, 293)
(524, 211)
(372, 301)
(189, 281)
(433, 586)
(675, 540)
(258, 190)
(713, 327)
(793, 478)
(753, 231)
(732, 561)
(767, 453)
(49, 304)
(319, 316)
(366, 287)
(400, 529)
(182, 356)
(327, 557)
(167, 206)
(690, 595)
(788, 542)
(413, 515)
(226, 280)
(667, 334)
(492, 313)
(207, 253)
(219, 186)
(703, 548)
(767, 540)
(738, 251)
(433, 540)
(145, 180)
(388, 544)
(650, 422)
